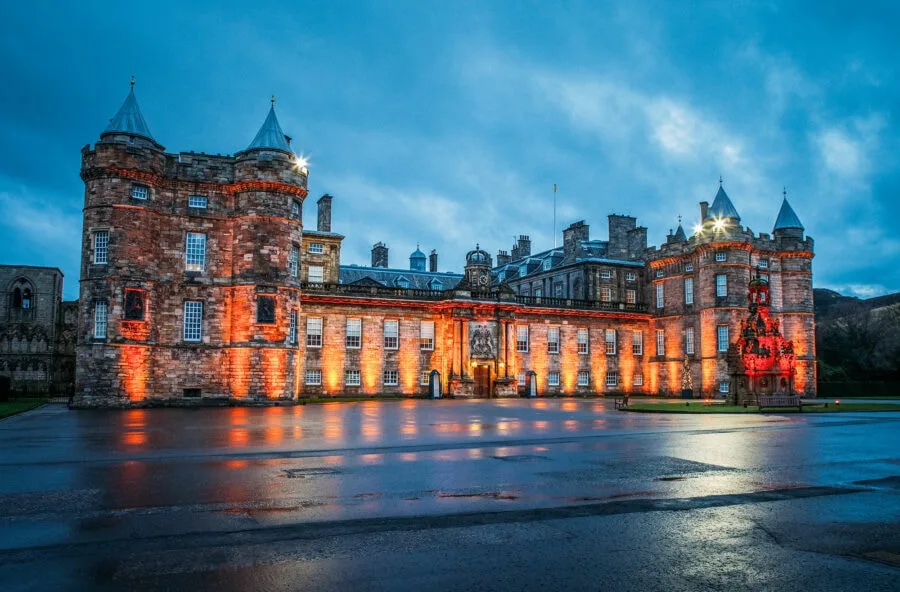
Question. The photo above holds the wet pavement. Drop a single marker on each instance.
(510, 494)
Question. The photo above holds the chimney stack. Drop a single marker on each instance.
(704, 209)
(379, 255)
(524, 245)
(502, 258)
(432, 261)
(324, 220)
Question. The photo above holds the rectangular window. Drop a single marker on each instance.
(721, 256)
(292, 331)
(134, 305)
(314, 377)
(139, 191)
(553, 340)
(195, 252)
(352, 378)
(101, 247)
(722, 338)
(660, 299)
(764, 277)
(763, 264)
(630, 276)
(553, 379)
(610, 342)
(295, 262)
(193, 320)
(723, 387)
(612, 379)
(316, 274)
(689, 267)
(584, 378)
(391, 334)
(426, 378)
(265, 309)
(721, 285)
(317, 248)
(688, 290)
(354, 334)
(660, 273)
(583, 344)
(638, 380)
(605, 274)
(605, 294)
(295, 210)
(630, 296)
(100, 319)
(521, 378)
(637, 343)
(546, 263)
(391, 378)
(426, 336)
(660, 342)
(197, 201)
(689, 340)
(522, 338)
(314, 332)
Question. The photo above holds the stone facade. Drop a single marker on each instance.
(37, 331)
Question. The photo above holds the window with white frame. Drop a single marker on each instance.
(425, 380)
(352, 378)
(722, 338)
(100, 319)
(612, 379)
(723, 387)
(139, 191)
(630, 276)
(316, 274)
(101, 247)
(721, 285)
(436, 285)
(314, 377)
(193, 320)
(660, 273)
(660, 342)
(553, 378)
(522, 338)
(763, 264)
(764, 277)
(295, 262)
(292, 330)
(295, 209)
(316, 248)
(195, 251)
(391, 378)
(546, 263)
(553, 340)
(689, 340)
(605, 294)
(197, 201)
(538, 291)
(630, 296)
(402, 282)
(638, 380)
(605, 274)
(583, 343)
(610, 335)
(314, 332)
(523, 270)
(721, 256)
(660, 298)
(391, 334)
(688, 290)
(354, 334)
(521, 378)
(689, 267)
(426, 336)
(637, 343)
(584, 378)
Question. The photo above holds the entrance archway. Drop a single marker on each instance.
(483, 380)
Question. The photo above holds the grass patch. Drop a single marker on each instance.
(702, 408)
(15, 406)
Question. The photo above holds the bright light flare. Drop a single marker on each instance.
(698, 228)
(301, 161)
(718, 223)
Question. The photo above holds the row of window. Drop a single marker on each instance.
(721, 289)
(721, 257)
(688, 333)
(354, 378)
(583, 378)
(583, 337)
(142, 192)
(353, 335)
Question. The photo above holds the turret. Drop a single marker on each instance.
(128, 125)
(417, 260)
(787, 226)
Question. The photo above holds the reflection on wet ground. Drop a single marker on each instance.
(104, 476)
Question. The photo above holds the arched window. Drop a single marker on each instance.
(17, 297)
(26, 298)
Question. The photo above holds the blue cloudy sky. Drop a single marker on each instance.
(447, 123)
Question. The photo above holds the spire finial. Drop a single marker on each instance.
(720, 180)
(679, 219)
(273, 100)
(132, 82)
(784, 191)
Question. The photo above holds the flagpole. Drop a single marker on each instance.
(554, 215)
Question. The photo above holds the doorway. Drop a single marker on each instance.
(483, 381)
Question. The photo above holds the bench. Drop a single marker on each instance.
(780, 401)
(622, 402)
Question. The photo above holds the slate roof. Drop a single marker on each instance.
(679, 234)
(420, 280)
(787, 218)
(270, 136)
(722, 207)
(129, 120)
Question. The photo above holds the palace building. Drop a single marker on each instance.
(200, 284)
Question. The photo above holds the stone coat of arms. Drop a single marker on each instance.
(482, 340)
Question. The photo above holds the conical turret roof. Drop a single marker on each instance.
(129, 120)
(679, 233)
(270, 136)
(722, 207)
(787, 218)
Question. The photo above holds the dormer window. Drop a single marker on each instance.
(402, 282)
(523, 270)
(437, 285)
(139, 191)
(546, 264)
(501, 276)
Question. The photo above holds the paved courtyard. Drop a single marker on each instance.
(448, 495)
